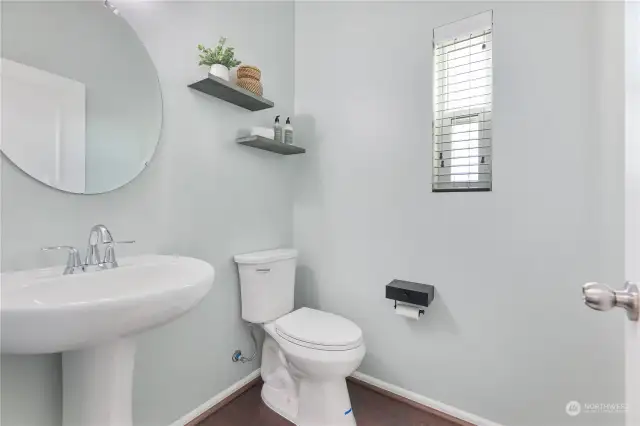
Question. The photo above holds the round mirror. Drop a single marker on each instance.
(81, 101)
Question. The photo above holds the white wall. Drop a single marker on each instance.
(202, 196)
(507, 337)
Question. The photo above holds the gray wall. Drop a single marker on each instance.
(83, 41)
(507, 337)
(202, 196)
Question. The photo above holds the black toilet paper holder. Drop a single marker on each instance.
(410, 292)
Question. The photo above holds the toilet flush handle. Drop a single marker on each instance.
(263, 270)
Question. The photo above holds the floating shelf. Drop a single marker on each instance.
(231, 93)
(270, 145)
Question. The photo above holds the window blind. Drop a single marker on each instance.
(462, 113)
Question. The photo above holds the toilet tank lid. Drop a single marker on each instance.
(266, 256)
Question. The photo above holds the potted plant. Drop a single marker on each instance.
(220, 59)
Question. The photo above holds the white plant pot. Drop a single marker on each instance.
(220, 71)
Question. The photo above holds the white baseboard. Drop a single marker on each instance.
(423, 400)
(182, 421)
(412, 396)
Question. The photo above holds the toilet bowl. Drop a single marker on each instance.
(304, 380)
(307, 354)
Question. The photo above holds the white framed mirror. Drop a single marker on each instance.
(81, 100)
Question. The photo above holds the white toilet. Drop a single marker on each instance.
(307, 354)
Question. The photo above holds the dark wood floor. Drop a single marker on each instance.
(370, 409)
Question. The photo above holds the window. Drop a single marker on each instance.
(462, 113)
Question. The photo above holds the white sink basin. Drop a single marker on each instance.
(90, 317)
(43, 311)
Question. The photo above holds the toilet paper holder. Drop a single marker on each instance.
(410, 292)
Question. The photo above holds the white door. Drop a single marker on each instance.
(600, 296)
(632, 201)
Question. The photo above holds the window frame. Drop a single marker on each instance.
(482, 152)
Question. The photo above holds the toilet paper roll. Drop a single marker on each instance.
(408, 311)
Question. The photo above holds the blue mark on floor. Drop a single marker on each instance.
(348, 411)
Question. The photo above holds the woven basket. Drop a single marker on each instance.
(251, 85)
(248, 71)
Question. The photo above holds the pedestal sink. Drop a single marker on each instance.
(91, 318)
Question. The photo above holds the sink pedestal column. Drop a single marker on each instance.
(97, 385)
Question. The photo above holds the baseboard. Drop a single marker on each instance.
(218, 401)
(437, 408)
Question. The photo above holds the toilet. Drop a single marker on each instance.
(307, 353)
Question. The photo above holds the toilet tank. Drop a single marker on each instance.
(267, 280)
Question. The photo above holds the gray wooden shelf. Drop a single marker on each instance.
(227, 91)
(270, 145)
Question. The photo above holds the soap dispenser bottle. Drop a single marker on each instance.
(288, 132)
(277, 130)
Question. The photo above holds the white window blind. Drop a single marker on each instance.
(462, 131)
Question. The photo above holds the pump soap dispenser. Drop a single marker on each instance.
(288, 132)
(277, 130)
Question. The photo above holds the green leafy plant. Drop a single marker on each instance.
(219, 55)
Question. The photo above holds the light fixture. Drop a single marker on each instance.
(111, 7)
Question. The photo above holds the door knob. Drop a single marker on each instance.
(601, 297)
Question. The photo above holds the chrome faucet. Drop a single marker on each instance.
(93, 253)
(99, 234)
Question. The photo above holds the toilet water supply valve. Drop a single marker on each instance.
(237, 355)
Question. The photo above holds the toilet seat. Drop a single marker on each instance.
(314, 329)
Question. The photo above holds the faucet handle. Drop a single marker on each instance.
(74, 255)
(110, 253)
(73, 261)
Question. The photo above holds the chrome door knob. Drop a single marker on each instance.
(601, 297)
(598, 296)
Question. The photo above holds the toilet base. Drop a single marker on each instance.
(307, 386)
(280, 402)
(324, 403)
(279, 394)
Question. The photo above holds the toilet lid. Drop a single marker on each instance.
(318, 329)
